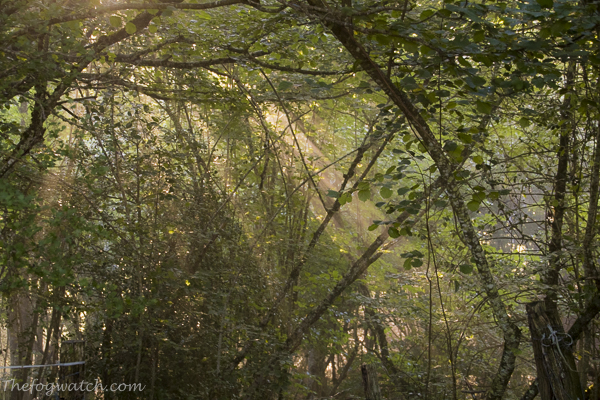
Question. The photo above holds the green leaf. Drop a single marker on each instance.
(333, 193)
(411, 47)
(426, 14)
(545, 33)
(545, 3)
(407, 264)
(478, 80)
(130, 28)
(372, 227)
(383, 40)
(466, 268)
(478, 36)
(440, 203)
(413, 289)
(345, 198)
(473, 205)
(152, 28)
(405, 231)
(73, 25)
(393, 232)
(364, 185)
(465, 138)
(203, 15)
(285, 85)
(462, 174)
(479, 196)
(386, 192)
(484, 107)
(456, 153)
(403, 191)
(524, 122)
(478, 160)
(364, 195)
(464, 62)
(426, 50)
(450, 146)
(115, 21)
(417, 262)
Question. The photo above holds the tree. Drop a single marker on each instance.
(196, 164)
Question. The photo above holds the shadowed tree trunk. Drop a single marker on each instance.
(370, 383)
(555, 364)
(72, 351)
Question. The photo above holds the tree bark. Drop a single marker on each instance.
(370, 383)
(22, 324)
(72, 351)
(555, 364)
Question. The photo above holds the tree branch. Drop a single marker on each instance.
(131, 6)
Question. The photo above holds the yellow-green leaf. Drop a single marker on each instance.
(524, 122)
(364, 195)
(130, 28)
(115, 21)
(465, 138)
(385, 192)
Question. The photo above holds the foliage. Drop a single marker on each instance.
(241, 199)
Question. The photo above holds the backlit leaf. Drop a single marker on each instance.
(130, 28)
(364, 195)
(386, 192)
(115, 21)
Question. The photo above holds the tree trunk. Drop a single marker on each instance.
(72, 351)
(370, 383)
(555, 364)
(22, 325)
